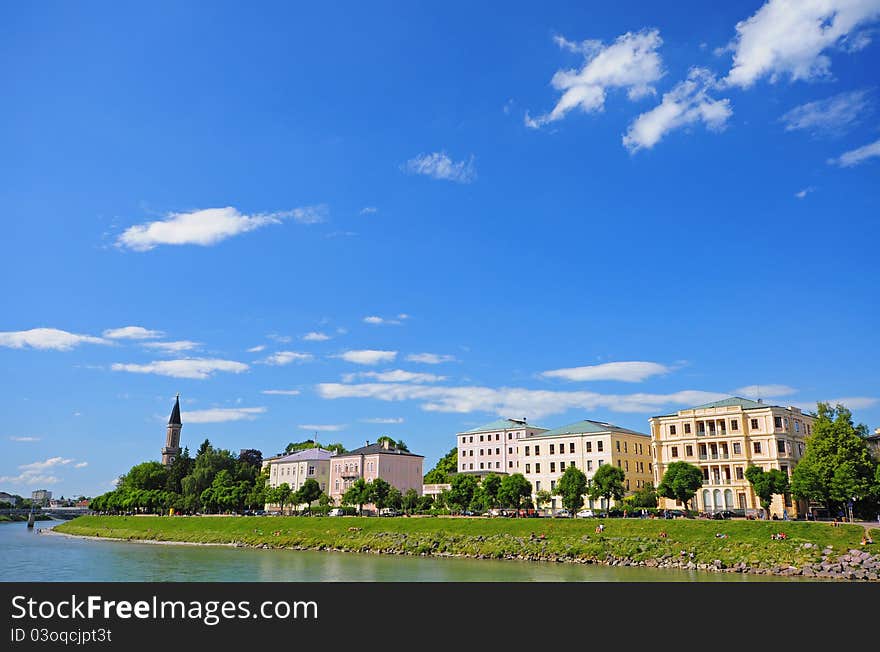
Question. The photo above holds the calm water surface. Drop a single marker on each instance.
(33, 557)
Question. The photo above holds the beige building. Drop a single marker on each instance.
(400, 469)
(723, 438)
(296, 468)
(492, 447)
(542, 457)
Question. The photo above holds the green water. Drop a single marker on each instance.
(33, 557)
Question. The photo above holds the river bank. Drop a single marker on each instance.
(812, 550)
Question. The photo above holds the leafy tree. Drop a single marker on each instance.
(280, 495)
(179, 469)
(461, 492)
(643, 497)
(681, 482)
(543, 497)
(147, 475)
(379, 490)
(514, 488)
(251, 457)
(410, 501)
(399, 444)
(203, 448)
(480, 502)
(490, 487)
(256, 497)
(395, 498)
(571, 487)
(766, 484)
(447, 465)
(308, 493)
(425, 503)
(295, 447)
(608, 483)
(357, 494)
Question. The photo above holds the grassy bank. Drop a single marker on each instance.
(747, 546)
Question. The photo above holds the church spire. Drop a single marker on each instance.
(175, 412)
(172, 435)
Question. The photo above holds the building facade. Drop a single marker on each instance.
(399, 468)
(724, 438)
(296, 468)
(492, 447)
(172, 435)
(41, 497)
(543, 457)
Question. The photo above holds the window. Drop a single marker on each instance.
(497, 465)
(739, 473)
(562, 466)
(618, 464)
(589, 446)
(674, 451)
(336, 484)
(471, 440)
(472, 467)
(528, 468)
(464, 440)
(497, 436)
(471, 452)
(510, 450)
(737, 448)
(650, 467)
(784, 468)
(734, 424)
(481, 452)
(618, 445)
(671, 430)
(757, 447)
(589, 465)
(498, 451)
(687, 428)
(601, 462)
(537, 485)
(600, 445)
(689, 451)
(626, 466)
(552, 467)
(311, 470)
(481, 437)
(754, 425)
(797, 426)
(510, 465)
(780, 447)
(627, 484)
(571, 447)
(527, 451)
(537, 468)
(552, 485)
(624, 448)
(573, 464)
(537, 451)
(481, 465)
(509, 436)
(777, 422)
(552, 448)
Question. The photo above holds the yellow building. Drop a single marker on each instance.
(724, 438)
(542, 457)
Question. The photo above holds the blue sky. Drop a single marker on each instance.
(606, 211)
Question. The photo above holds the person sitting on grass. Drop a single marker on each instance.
(663, 534)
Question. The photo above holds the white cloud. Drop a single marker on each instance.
(286, 357)
(321, 428)
(438, 165)
(132, 333)
(80, 465)
(315, 336)
(284, 339)
(46, 464)
(764, 391)
(687, 103)
(512, 400)
(46, 338)
(369, 210)
(198, 368)
(36, 473)
(368, 356)
(832, 115)
(631, 63)
(790, 37)
(208, 226)
(385, 421)
(375, 320)
(221, 415)
(24, 439)
(800, 194)
(630, 372)
(855, 402)
(857, 156)
(281, 392)
(256, 349)
(430, 358)
(172, 347)
(398, 376)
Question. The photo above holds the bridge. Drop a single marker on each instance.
(62, 513)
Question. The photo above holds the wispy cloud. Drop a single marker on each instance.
(172, 347)
(834, 115)
(438, 165)
(209, 226)
(132, 333)
(512, 400)
(316, 336)
(36, 473)
(790, 39)
(368, 356)
(221, 415)
(322, 427)
(430, 358)
(849, 402)
(686, 104)
(630, 372)
(857, 156)
(24, 439)
(764, 391)
(388, 421)
(281, 392)
(800, 194)
(197, 368)
(375, 320)
(80, 465)
(46, 338)
(282, 358)
(396, 376)
(631, 63)
(369, 210)
(256, 349)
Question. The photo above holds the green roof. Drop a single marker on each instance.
(588, 427)
(503, 424)
(745, 403)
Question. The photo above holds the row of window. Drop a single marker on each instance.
(779, 423)
(281, 470)
(469, 439)
(589, 448)
(487, 451)
(782, 447)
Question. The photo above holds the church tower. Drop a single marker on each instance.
(172, 435)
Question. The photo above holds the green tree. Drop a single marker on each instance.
(447, 465)
(395, 499)
(514, 488)
(543, 497)
(357, 494)
(378, 492)
(461, 492)
(490, 487)
(147, 475)
(308, 493)
(256, 497)
(571, 488)
(646, 496)
(766, 484)
(410, 501)
(399, 444)
(179, 469)
(280, 495)
(425, 503)
(681, 482)
(837, 465)
(608, 483)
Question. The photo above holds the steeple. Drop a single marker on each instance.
(172, 435)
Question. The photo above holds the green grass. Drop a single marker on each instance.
(747, 542)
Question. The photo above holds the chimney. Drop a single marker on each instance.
(386, 444)
(368, 443)
(760, 400)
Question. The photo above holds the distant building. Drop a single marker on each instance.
(399, 468)
(172, 435)
(492, 446)
(8, 498)
(434, 490)
(296, 468)
(873, 442)
(723, 439)
(41, 497)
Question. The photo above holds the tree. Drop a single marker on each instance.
(608, 483)
(410, 501)
(446, 465)
(280, 495)
(251, 457)
(295, 447)
(681, 482)
(399, 444)
(490, 487)
(643, 497)
(571, 487)
(357, 494)
(256, 498)
(147, 475)
(378, 493)
(395, 499)
(179, 469)
(543, 497)
(766, 484)
(308, 493)
(514, 488)
(461, 492)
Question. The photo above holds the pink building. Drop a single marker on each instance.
(398, 468)
(492, 447)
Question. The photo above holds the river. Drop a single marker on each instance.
(30, 556)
